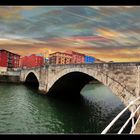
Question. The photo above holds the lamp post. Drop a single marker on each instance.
(44, 58)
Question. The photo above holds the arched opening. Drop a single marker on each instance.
(70, 84)
(32, 81)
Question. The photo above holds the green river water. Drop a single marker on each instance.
(23, 110)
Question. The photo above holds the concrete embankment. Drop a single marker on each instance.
(9, 79)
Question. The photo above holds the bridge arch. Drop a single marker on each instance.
(32, 78)
(31, 71)
(70, 83)
(91, 73)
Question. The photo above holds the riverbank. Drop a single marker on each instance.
(9, 79)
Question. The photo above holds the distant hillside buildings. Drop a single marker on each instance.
(71, 57)
(9, 60)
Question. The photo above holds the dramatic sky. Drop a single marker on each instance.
(108, 33)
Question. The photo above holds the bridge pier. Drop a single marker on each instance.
(42, 88)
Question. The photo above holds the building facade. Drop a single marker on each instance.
(89, 59)
(60, 58)
(8, 59)
(77, 58)
(30, 61)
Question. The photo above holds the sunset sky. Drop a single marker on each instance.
(105, 32)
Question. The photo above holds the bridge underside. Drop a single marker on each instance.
(32, 81)
(70, 84)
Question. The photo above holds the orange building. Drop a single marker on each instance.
(60, 58)
(77, 58)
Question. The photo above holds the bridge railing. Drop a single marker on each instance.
(131, 118)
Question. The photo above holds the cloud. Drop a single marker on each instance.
(21, 41)
(13, 12)
(109, 33)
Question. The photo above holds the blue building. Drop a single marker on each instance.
(89, 59)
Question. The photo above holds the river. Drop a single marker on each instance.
(23, 110)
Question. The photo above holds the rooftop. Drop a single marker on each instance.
(9, 51)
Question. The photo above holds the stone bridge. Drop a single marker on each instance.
(122, 78)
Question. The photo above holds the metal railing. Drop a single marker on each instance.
(132, 116)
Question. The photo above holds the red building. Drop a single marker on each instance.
(77, 58)
(60, 58)
(9, 59)
(33, 60)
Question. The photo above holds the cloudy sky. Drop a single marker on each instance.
(108, 33)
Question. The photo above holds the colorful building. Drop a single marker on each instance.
(30, 61)
(77, 58)
(60, 58)
(89, 59)
(8, 59)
